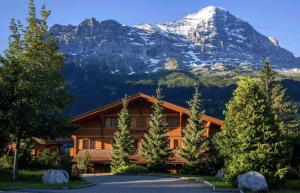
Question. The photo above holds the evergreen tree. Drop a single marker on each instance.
(33, 95)
(285, 110)
(195, 144)
(123, 145)
(155, 143)
(250, 139)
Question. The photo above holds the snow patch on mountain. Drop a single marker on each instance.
(211, 38)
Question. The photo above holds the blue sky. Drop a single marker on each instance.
(279, 18)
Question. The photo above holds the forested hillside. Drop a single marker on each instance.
(96, 89)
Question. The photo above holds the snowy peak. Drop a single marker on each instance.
(209, 39)
(205, 17)
(205, 14)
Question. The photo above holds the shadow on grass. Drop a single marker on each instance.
(33, 179)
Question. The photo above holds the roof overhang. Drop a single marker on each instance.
(151, 99)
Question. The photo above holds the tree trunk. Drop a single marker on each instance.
(16, 157)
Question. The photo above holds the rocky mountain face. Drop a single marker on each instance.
(211, 39)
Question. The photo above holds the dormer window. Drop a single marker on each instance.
(111, 122)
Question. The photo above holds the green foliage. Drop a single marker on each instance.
(33, 95)
(250, 139)
(131, 169)
(123, 145)
(48, 160)
(6, 161)
(177, 79)
(83, 162)
(155, 143)
(196, 147)
(284, 109)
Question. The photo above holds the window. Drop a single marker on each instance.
(93, 144)
(172, 121)
(133, 122)
(98, 144)
(111, 122)
(175, 143)
(85, 143)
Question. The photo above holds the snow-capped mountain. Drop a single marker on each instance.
(210, 38)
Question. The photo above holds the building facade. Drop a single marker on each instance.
(97, 127)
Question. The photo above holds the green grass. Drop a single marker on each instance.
(33, 179)
(218, 183)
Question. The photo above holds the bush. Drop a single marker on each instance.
(83, 162)
(280, 178)
(47, 160)
(132, 169)
(6, 161)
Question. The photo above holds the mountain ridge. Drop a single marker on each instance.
(198, 42)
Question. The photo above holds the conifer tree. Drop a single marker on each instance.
(155, 143)
(33, 94)
(250, 139)
(284, 109)
(123, 145)
(195, 144)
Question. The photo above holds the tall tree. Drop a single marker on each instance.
(33, 95)
(250, 139)
(195, 143)
(155, 143)
(123, 145)
(284, 109)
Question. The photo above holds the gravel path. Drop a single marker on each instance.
(135, 184)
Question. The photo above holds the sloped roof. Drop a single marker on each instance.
(150, 99)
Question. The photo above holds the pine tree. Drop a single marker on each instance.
(284, 109)
(195, 144)
(250, 139)
(123, 145)
(155, 143)
(33, 94)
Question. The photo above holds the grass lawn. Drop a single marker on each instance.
(33, 179)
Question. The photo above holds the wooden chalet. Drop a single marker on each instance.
(97, 127)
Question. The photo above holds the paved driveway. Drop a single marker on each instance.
(136, 184)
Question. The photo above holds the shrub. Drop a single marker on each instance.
(132, 169)
(47, 160)
(280, 177)
(6, 161)
(83, 162)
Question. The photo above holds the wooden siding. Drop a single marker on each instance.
(94, 131)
